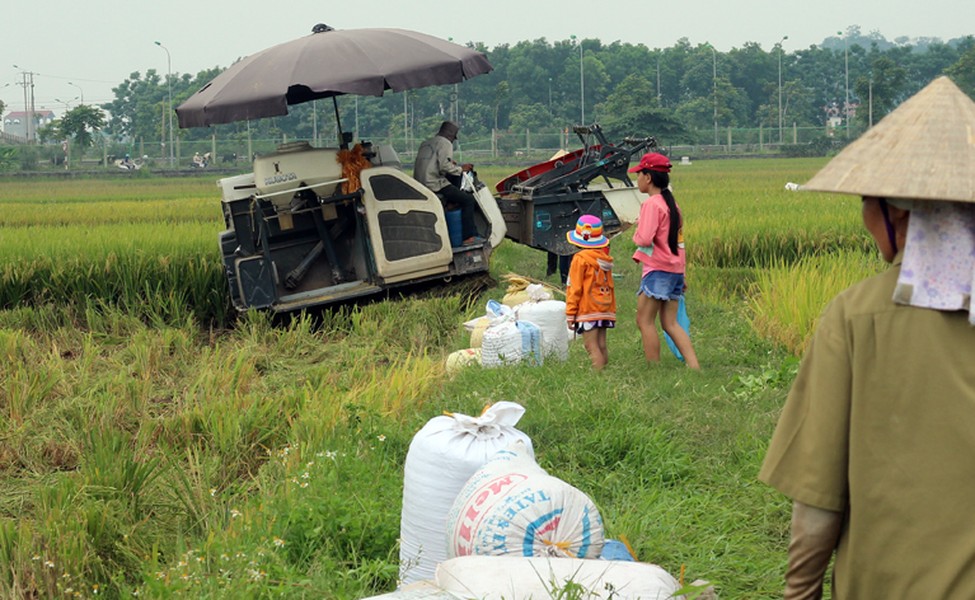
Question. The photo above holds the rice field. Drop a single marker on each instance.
(155, 443)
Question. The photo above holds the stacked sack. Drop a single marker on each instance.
(507, 577)
(507, 340)
(517, 290)
(442, 457)
(549, 316)
(511, 506)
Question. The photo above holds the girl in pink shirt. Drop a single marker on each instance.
(660, 250)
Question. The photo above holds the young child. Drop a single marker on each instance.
(590, 300)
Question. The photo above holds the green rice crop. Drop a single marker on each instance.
(143, 451)
(787, 299)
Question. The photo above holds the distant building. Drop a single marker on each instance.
(15, 122)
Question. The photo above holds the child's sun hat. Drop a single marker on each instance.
(588, 233)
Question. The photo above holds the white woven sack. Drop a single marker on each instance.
(508, 577)
(501, 342)
(511, 506)
(549, 316)
(442, 457)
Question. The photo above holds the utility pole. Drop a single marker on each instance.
(28, 83)
(169, 84)
(846, 62)
(714, 76)
(582, 84)
(658, 76)
(784, 38)
(80, 91)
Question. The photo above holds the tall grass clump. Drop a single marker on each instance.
(787, 299)
(137, 268)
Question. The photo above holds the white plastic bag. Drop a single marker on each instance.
(442, 457)
(467, 181)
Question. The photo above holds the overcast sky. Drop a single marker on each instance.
(96, 44)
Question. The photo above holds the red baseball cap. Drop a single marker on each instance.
(652, 161)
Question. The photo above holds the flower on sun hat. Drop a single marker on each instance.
(652, 161)
(588, 233)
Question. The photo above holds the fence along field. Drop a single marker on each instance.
(143, 448)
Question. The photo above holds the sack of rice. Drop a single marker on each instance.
(477, 327)
(549, 316)
(507, 577)
(511, 506)
(501, 342)
(441, 458)
(462, 358)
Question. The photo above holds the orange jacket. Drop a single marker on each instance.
(589, 294)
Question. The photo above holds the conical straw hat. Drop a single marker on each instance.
(923, 150)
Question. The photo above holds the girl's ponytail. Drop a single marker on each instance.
(662, 181)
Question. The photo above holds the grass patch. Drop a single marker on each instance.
(144, 448)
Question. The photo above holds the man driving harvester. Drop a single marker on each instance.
(436, 169)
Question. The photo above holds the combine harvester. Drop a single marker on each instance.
(314, 226)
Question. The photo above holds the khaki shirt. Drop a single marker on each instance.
(434, 159)
(880, 425)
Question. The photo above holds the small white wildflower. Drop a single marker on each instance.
(304, 484)
(278, 542)
(48, 564)
(213, 492)
(331, 454)
(35, 557)
(310, 464)
(234, 513)
(306, 475)
(381, 437)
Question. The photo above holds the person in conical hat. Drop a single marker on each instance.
(875, 442)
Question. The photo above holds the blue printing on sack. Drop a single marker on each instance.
(528, 544)
(527, 547)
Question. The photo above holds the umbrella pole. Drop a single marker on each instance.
(338, 121)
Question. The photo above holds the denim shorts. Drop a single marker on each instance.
(662, 285)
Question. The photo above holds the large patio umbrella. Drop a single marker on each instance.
(329, 63)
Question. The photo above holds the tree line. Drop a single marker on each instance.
(680, 94)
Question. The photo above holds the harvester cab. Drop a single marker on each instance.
(313, 226)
